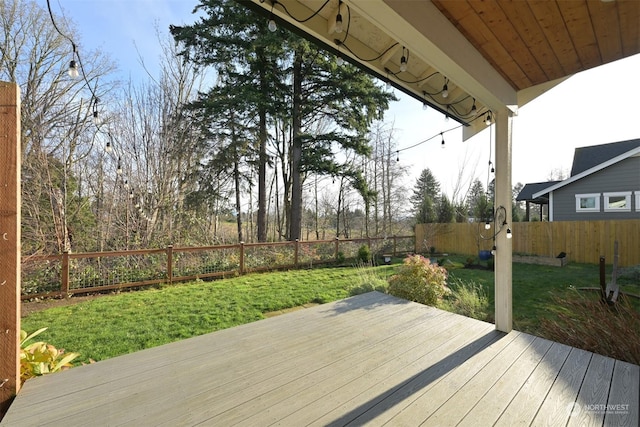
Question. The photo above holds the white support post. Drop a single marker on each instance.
(503, 196)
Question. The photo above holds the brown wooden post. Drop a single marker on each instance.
(64, 274)
(9, 244)
(170, 264)
(603, 280)
(241, 258)
(296, 247)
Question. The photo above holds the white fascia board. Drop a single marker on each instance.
(630, 153)
(427, 33)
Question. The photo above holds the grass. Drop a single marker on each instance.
(113, 325)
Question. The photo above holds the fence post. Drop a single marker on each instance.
(241, 258)
(9, 244)
(335, 252)
(170, 264)
(64, 273)
(295, 252)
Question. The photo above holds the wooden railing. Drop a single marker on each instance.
(71, 273)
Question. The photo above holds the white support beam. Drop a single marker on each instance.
(503, 198)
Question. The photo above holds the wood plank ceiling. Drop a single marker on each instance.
(525, 43)
(533, 42)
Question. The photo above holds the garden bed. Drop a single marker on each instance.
(541, 260)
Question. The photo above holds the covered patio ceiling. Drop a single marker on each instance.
(496, 53)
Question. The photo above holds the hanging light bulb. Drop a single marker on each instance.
(73, 70)
(108, 148)
(403, 61)
(509, 235)
(73, 66)
(339, 27)
(487, 225)
(272, 25)
(442, 143)
(126, 184)
(119, 169)
(474, 110)
(131, 194)
(397, 156)
(487, 120)
(96, 119)
(445, 89)
(425, 106)
(340, 61)
(493, 250)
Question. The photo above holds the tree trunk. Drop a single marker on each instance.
(295, 225)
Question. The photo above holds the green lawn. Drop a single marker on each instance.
(117, 324)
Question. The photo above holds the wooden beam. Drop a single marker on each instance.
(504, 246)
(9, 244)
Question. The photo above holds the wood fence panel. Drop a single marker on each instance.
(582, 241)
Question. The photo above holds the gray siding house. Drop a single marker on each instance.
(604, 184)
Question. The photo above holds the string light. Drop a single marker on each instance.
(119, 168)
(339, 26)
(108, 148)
(509, 235)
(96, 119)
(442, 143)
(73, 67)
(403, 61)
(445, 89)
(487, 120)
(340, 61)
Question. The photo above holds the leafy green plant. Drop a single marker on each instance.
(364, 253)
(467, 298)
(340, 258)
(419, 280)
(40, 358)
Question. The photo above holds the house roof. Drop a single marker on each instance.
(598, 167)
(585, 158)
(493, 53)
(527, 192)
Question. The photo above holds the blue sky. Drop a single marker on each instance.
(595, 107)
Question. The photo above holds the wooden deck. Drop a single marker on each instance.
(371, 359)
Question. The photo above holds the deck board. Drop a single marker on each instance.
(371, 359)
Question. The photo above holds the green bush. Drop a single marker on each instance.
(364, 254)
(419, 280)
(468, 299)
(40, 358)
(340, 258)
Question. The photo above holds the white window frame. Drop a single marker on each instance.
(625, 194)
(637, 193)
(596, 196)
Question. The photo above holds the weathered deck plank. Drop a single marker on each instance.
(372, 359)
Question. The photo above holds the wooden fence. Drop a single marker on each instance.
(582, 241)
(70, 273)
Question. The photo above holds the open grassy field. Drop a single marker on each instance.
(112, 325)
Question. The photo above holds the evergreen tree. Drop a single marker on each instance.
(425, 198)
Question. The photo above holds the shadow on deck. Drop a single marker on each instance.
(371, 359)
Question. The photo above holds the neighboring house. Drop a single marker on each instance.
(604, 184)
(526, 195)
